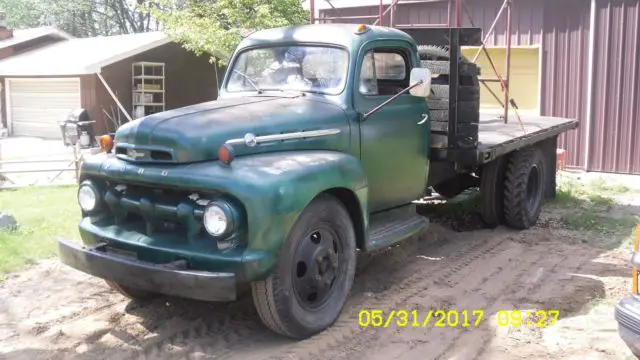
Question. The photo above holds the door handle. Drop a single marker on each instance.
(425, 117)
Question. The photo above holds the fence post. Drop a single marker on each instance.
(77, 155)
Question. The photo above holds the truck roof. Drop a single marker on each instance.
(335, 34)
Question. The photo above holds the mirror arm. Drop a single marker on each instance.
(375, 109)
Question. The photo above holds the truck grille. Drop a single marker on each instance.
(154, 210)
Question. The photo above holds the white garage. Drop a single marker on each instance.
(36, 105)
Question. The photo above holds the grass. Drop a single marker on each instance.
(591, 221)
(596, 192)
(591, 206)
(43, 214)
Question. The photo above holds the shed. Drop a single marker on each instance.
(41, 87)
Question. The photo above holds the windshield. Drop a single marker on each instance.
(303, 68)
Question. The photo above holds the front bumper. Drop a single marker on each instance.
(168, 279)
(627, 315)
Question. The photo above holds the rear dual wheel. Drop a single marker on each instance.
(524, 188)
(309, 285)
(513, 189)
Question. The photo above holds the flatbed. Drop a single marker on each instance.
(496, 138)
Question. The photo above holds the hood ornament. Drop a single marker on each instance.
(250, 140)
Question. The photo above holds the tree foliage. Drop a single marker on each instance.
(217, 26)
(80, 18)
(212, 26)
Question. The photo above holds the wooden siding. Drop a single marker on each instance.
(189, 79)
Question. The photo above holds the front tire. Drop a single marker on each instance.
(311, 281)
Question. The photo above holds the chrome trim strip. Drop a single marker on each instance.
(252, 140)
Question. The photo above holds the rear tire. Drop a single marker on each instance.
(311, 281)
(132, 293)
(492, 191)
(524, 188)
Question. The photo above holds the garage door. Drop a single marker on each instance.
(35, 106)
(525, 77)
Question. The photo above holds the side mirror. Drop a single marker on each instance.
(417, 75)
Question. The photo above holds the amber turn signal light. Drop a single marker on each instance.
(226, 154)
(362, 28)
(106, 143)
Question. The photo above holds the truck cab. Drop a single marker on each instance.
(317, 82)
(318, 145)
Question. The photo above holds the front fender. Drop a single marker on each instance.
(288, 182)
(274, 189)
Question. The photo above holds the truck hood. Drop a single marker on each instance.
(195, 133)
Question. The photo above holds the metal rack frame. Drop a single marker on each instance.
(457, 6)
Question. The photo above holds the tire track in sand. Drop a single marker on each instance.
(209, 337)
(464, 292)
(347, 333)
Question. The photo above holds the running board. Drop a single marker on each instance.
(389, 227)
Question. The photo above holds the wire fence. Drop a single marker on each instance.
(14, 173)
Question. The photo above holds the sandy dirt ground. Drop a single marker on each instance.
(53, 312)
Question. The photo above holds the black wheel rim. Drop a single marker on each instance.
(317, 267)
(533, 189)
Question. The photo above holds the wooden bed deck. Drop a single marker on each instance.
(492, 130)
(495, 137)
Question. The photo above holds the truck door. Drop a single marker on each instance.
(393, 146)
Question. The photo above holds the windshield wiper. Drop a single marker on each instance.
(249, 80)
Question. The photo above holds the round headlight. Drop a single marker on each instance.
(87, 197)
(216, 221)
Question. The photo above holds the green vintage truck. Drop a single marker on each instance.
(321, 140)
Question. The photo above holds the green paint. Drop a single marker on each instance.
(382, 161)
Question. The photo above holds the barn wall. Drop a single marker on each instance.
(565, 69)
(615, 133)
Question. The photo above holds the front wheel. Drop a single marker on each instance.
(309, 284)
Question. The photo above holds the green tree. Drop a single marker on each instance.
(217, 26)
(80, 18)
(22, 13)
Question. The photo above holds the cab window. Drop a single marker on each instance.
(384, 72)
